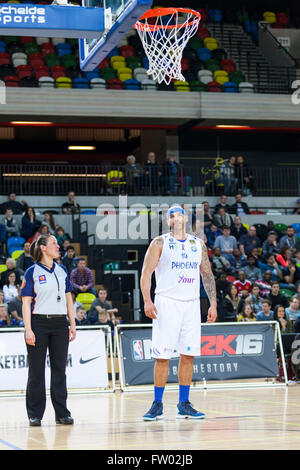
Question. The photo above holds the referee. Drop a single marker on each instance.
(47, 301)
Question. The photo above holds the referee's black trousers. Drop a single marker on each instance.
(50, 334)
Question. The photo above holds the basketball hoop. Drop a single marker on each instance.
(164, 33)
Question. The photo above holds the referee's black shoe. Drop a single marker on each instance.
(65, 420)
(34, 422)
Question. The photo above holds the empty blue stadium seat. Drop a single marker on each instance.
(203, 54)
(230, 87)
(90, 75)
(14, 243)
(132, 84)
(81, 83)
(215, 15)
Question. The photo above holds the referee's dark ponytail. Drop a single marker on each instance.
(35, 248)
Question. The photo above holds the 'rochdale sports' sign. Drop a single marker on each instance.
(227, 352)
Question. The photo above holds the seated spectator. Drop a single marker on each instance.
(239, 207)
(254, 299)
(11, 226)
(276, 297)
(285, 325)
(25, 260)
(17, 207)
(11, 267)
(70, 260)
(30, 224)
(270, 264)
(247, 313)
(101, 301)
(60, 236)
(289, 239)
(244, 176)
(134, 174)
(237, 260)
(242, 284)
(228, 177)
(153, 174)
(207, 216)
(232, 305)
(255, 252)
(296, 325)
(2, 298)
(82, 278)
(271, 228)
(252, 272)
(103, 318)
(284, 256)
(71, 206)
(223, 204)
(222, 286)
(291, 273)
(249, 241)
(211, 234)
(76, 303)
(265, 283)
(43, 230)
(294, 308)
(297, 209)
(15, 309)
(222, 218)
(63, 249)
(81, 317)
(270, 245)
(49, 220)
(220, 263)
(226, 242)
(4, 317)
(237, 228)
(10, 288)
(266, 313)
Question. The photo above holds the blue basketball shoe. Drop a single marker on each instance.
(185, 410)
(156, 412)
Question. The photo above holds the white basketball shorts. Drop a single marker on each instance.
(177, 328)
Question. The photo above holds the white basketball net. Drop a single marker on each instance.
(164, 38)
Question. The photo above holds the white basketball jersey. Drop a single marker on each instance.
(177, 273)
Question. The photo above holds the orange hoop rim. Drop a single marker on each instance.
(155, 12)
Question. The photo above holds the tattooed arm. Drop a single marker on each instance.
(150, 262)
(209, 284)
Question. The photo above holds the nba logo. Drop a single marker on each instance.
(138, 350)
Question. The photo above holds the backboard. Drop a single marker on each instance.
(119, 17)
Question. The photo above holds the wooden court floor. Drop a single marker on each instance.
(235, 419)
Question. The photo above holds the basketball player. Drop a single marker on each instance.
(178, 259)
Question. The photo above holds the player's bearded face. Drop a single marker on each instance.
(177, 222)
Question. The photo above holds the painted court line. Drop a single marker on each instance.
(8, 444)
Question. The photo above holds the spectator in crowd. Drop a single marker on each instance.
(17, 207)
(226, 242)
(25, 260)
(232, 305)
(239, 207)
(82, 278)
(247, 313)
(270, 264)
(170, 174)
(265, 283)
(10, 288)
(294, 308)
(254, 299)
(296, 211)
(15, 309)
(289, 239)
(242, 284)
(222, 286)
(276, 297)
(237, 260)
(223, 204)
(134, 174)
(271, 228)
(103, 318)
(284, 256)
(237, 228)
(291, 274)
(266, 313)
(285, 324)
(244, 176)
(69, 260)
(2, 297)
(207, 216)
(252, 272)
(76, 303)
(102, 302)
(30, 224)
(220, 263)
(63, 249)
(60, 236)
(228, 177)
(222, 218)
(71, 206)
(11, 267)
(296, 325)
(249, 241)
(49, 220)
(4, 317)
(153, 174)
(211, 234)
(43, 230)
(81, 317)
(11, 225)
(270, 245)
